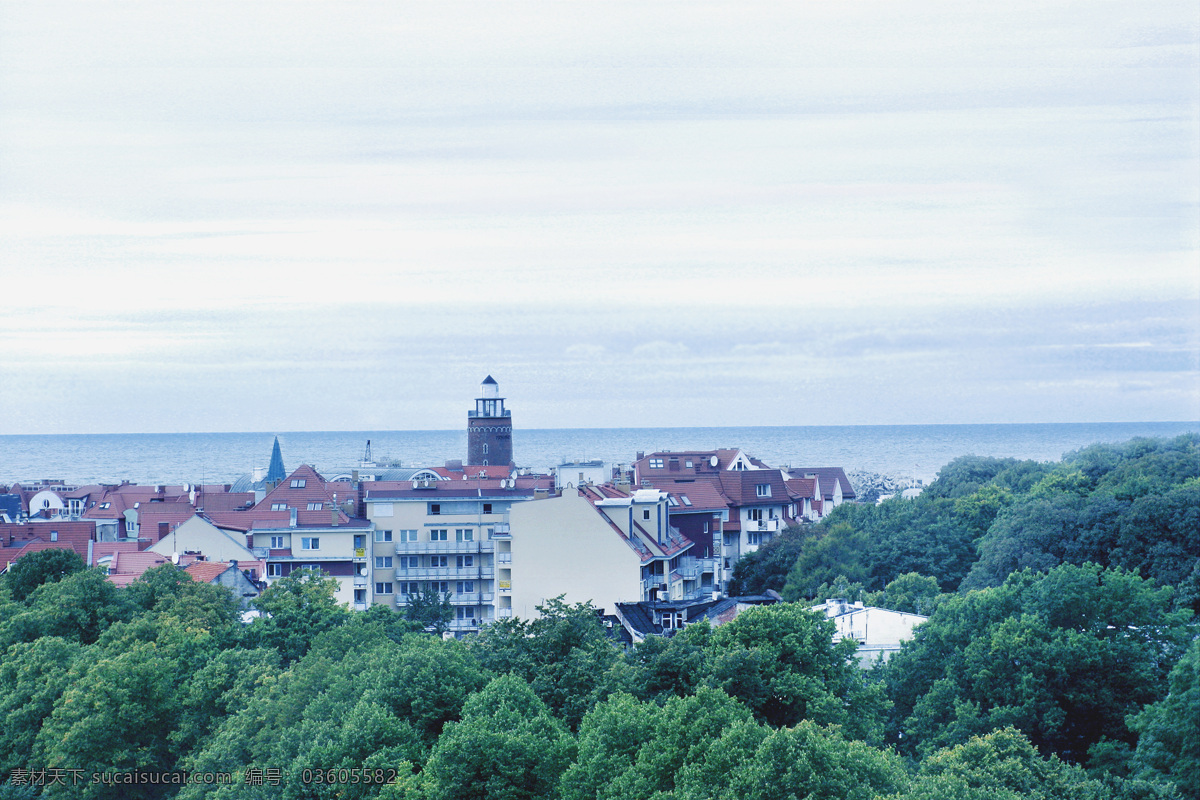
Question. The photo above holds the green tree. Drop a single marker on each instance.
(117, 716)
(630, 749)
(1063, 656)
(79, 607)
(430, 610)
(36, 569)
(564, 654)
(33, 676)
(1168, 743)
(507, 746)
(782, 662)
(1002, 765)
(817, 763)
(295, 609)
(836, 552)
(768, 566)
(910, 593)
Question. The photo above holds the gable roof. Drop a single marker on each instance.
(827, 476)
(207, 571)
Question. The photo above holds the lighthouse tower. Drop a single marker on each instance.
(489, 428)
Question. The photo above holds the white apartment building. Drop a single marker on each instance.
(451, 536)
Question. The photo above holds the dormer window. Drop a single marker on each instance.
(298, 483)
(763, 489)
(656, 463)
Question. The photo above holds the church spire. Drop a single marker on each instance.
(276, 472)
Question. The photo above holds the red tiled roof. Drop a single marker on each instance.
(802, 487)
(75, 534)
(704, 492)
(741, 487)
(828, 476)
(495, 471)
(125, 568)
(207, 571)
(152, 515)
(102, 550)
(224, 501)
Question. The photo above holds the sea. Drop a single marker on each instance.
(907, 453)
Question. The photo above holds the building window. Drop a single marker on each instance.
(656, 463)
(408, 587)
(487, 508)
(315, 506)
(763, 490)
(464, 535)
(465, 562)
(408, 535)
(106, 505)
(274, 570)
(279, 506)
(383, 588)
(54, 536)
(298, 483)
(465, 587)
(441, 587)
(410, 562)
(360, 595)
(312, 567)
(754, 514)
(439, 534)
(485, 448)
(645, 513)
(277, 543)
(753, 537)
(688, 464)
(383, 536)
(310, 543)
(438, 562)
(465, 612)
(435, 509)
(685, 499)
(383, 562)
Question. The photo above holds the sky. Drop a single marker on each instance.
(271, 216)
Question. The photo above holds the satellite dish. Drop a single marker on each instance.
(712, 461)
(175, 559)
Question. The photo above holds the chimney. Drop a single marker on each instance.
(292, 517)
(164, 530)
(334, 514)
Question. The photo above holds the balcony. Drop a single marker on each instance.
(360, 606)
(503, 558)
(410, 548)
(470, 598)
(504, 613)
(771, 525)
(445, 573)
(504, 586)
(502, 530)
(360, 580)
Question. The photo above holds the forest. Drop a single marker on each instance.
(1060, 660)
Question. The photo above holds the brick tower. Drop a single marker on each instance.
(489, 428)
